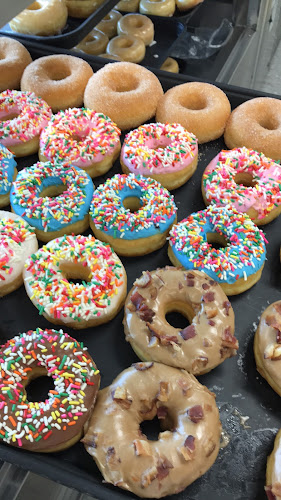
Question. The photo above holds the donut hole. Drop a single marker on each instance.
(39, 385)
(75, 273)
(9, 116)
(53, 191)
(193, 102)
(217, 240)
(79, 138)
(269, 123)
(125, 43)
(136, 22)
(245, 179)
(179, 314)
(132, 203)
(151, 428)
(57, 72)
(127, 84)
(34, 6)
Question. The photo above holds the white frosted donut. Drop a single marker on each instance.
(137, 25)
(128, 47)
(43, 18)
(164, 8)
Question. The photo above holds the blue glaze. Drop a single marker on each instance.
(7, 169)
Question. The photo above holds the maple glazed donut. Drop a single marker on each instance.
(136, 25)
(8, 173)
(132, 213)
(273, 476)
(126, 92)
(247, 180)
(54, 198)
(94, 43)
(127, 47)
(17, 243)
(256, 124)
(164, 8)
(22, 117)
(201, 108)
(82, 137)
(14, 58)
(41, 18)
(56, 423)
(237, 265)
(97, 300)
(184, 450)
(164, 152)
(108, 25)
(60, 79)
(198, 348)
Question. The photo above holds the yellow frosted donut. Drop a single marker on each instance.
(94, 43)
(137, 25)
(42, 18)
(164, 8)
(108, 24)
(128, 47)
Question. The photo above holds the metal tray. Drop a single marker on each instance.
(239, 471)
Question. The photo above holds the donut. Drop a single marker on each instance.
(200, 107)
(56, 423)
(59, 79)
(53, 198)
(128, 5)
(94, 43)
(184, 5)
(17, 242)
(185, 449)
(132, 213)
(108, 25)
(126, 92)
(41, 18)
(8, 173)
(97, 300)
(128, 47)
(238, 263)
(22, 117)
(82, 137)
(111, 57)
(137, 25)
(256, 124)
(170, 65)
(165, 8)
(164, 152)
(198, 348)
(247, 180)
(273, 477)
(14, 58)
(82, 8)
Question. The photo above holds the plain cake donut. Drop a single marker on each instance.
(59, 79)
(41, 18)
(126, 92)
(14, 58)
(201, 108)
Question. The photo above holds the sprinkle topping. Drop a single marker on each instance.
(7, 169)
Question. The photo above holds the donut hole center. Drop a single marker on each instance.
(39, 385)
(217, 240)
(125, 43)
(136, 23)
(132, 203)
(151, 428)
(269, 123)
(193, 102)
(79, 138)
(53, 191)
(10, 116)
(58, 73)
(125, 85)
(245, 179)
(34, 6)
(179, 314)
(75, 273)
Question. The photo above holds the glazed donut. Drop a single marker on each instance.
(94, 43)
(111, 57)
(46, 426)
(256, 124)
(164, 8)
(22, 117)
(183, 5)
(137, 25)
(273, 477)
(14, 58)
(198, 348)
(247, 180)
(237, 265)
(201, 108)
(41, 18)
(128, 47)
(82, 137)
(108, 24)
(132, 213)
(170, 65)
(8, 173)
(17, 242)
(97, 300)
(54, 198)
(164, 152)
(82, 8)
(128, 5)
(59, 79)
(126, 92)
(185, 449)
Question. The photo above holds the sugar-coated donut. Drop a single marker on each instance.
(273, 476)
(97, 300)
(59, 79)
(8, 173)
(41, 18)
(128, 5)
(56, 423)
(170, 65)
(198, 348)
(164, 8)
(126, 92)
(17, 243)
(14, 58)
(256, 124)
(184, 450)
(136, 25)
(237, 265)
(108, 25)
(164, 152)
(128, 47)
(201, 108)
(82, 8)
(32, 197)
(247, 180)
(94, 43)
(183, 5)
(22, 117)
(82, 137)
(136, 232)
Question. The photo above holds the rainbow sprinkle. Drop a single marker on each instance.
(7, 170)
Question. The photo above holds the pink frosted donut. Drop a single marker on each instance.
(82, 137)
(164, 152)
(246, 180)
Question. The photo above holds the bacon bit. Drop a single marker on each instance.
(148, 477)
(211, 322)
(273, 352)
(213, 283)
(277, 307)
(207, 342)
(205, 286)
(188, 332)
(190, 276)
(228, 340)
(185, 387)
(269, 493)
(226, 305)
(225, 352)
(137, 299)
(199, 363)
(120, 396)
(162, 395)
(211, 313)
(131, 307)
(209, 297)
(142, 447)
(195, 413)
(190, 282)
(164, 339)
(273, 321)
(163, 468)
(190, 443)
(147, 406)
(278, 337)
(142, 366)
(188, 448)
(93, 443)
(158, 281)
(144, 280)
(162, 412)
(153, 292)
(180, 286)
(146, 314)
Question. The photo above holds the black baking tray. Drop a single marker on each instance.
(239, 471)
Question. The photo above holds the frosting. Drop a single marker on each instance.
(82, 137)
(31, 116)
(50, 423)
(245, 251)
(158, 148)
(51, 214)
(220, 186)
(156, 214)
(7, 169)
(57, 297)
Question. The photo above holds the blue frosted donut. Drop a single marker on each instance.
(241, 259)
(8, 172)
(66, 212)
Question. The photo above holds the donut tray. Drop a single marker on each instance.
(249, 408)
